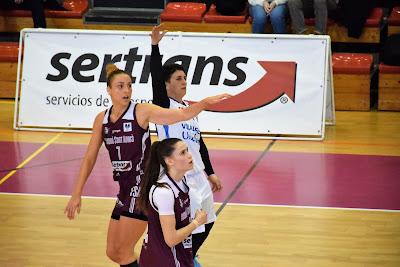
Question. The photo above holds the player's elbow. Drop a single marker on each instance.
(170, 242)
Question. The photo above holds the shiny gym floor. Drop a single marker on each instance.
(284, 203)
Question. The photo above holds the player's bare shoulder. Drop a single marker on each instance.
(98, 121)
(143, 111)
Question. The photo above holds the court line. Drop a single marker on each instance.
(47, 163)
(308, 207)
(34, 154)
(245, 176)
(43, 164)
(228, 204)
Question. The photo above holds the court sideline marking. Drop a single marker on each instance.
(228, 204)
(34, 154)
(244, 178)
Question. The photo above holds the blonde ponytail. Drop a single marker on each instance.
(110, 68)
(111, 71)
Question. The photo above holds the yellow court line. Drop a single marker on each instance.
(34, 154)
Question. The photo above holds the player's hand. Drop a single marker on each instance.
(157, 33)
(215, 182)
(74, 205)
(209, 101)
(201, 216)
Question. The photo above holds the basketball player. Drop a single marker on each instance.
(169, 87)
(164, 198)
(124, 130)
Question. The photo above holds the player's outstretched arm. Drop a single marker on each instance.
(155, 114)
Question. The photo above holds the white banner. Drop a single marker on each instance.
(278, 81)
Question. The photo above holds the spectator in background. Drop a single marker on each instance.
(35, 6)
(354, 21)
(299, 8)
(274, 10)
(391, 50)
(208, 3)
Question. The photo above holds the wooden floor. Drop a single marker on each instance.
(34, 231)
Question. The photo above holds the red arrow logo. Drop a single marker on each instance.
(280, 79)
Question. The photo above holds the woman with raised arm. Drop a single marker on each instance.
(169, 89)
(124, 129)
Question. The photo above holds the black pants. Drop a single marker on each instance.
(198, 239)
(35, 6)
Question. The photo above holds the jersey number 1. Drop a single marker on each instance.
(119, 152)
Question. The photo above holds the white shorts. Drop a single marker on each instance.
(197, 201)
(197, 180)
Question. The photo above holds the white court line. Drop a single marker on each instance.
(50, 195)
(308, 207)
(232, 204)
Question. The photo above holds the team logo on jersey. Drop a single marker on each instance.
(187, 242)
(121, 165)
(134, 191)
(127, 127)
(105, 130)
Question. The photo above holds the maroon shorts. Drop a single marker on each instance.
(126, 204)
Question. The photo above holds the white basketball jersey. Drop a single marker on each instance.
(189, 132)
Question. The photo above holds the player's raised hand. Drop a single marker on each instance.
(157, 33)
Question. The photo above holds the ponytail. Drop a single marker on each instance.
(151, 174)
(158, 152)
(111, 71)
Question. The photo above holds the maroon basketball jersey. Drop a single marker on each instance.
(128, 145)
(155, 252)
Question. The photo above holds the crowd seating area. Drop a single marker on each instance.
(193, 15)
(394, 21)
(389, 87)
(352, 72)
(351, 78)
(183, 16)
(70, 18)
